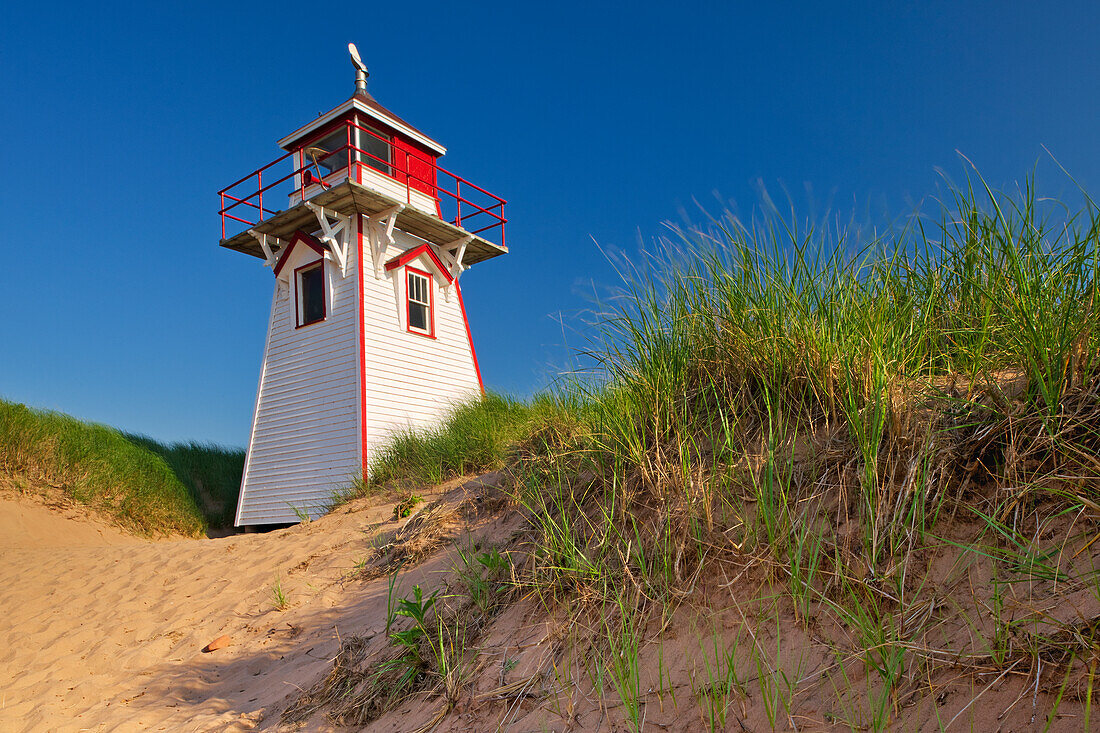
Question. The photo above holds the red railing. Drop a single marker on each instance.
(467, 206)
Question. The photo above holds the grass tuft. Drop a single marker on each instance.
(822, 416)
(98, 466)
(212, 474)
(475, 437)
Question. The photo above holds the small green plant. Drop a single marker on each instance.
(885, 651)
(664, 678)
(405, 507)
(722, 680)
(302, 514)
(391, 600)
(483, 575)
(427, 646)
(411, 663)
(776, 690)
(805, 557)
(776, 687)
(278, 595)
(620, 664)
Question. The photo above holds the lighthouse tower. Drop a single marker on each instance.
(367, 237)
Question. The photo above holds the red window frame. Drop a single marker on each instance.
(299, 306)
(385, 133)
(431, 303)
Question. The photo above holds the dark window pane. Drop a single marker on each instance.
(418, 316)
(329, 160)
(379, 151)
(313, 295)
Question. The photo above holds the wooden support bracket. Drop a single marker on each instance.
(451, 255)
(335, 232)
(271, 256)
(379, 228)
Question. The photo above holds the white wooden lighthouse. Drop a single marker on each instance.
(367, 237)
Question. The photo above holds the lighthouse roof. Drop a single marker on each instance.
(365, 103)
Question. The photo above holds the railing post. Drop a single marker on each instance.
(221, 195)
(458, 201)
(260, 181)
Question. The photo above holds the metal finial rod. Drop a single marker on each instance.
(361, 72)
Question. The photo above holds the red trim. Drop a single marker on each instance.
(320, 134)
(318, 264)
(362, 354)
(416, 166)
(470, 336)
(380, 132)
(299, 236)
(407, 163)
(431, 303)
(409, 255)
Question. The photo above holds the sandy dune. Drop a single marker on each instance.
(26, 523)
(101, 631)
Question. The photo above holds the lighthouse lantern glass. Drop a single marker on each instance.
(376, 151)
(336, 147)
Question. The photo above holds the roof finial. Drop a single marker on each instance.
(361, 72)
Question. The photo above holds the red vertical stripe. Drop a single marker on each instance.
(470, 336)
(362, 345)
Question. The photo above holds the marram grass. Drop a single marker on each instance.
(475, 437)
(210, 472)
(828, 409)
(757, 341)
(146, 486)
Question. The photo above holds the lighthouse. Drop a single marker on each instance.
(367, 237)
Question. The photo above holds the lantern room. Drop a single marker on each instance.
(361, 140)
(361, 159)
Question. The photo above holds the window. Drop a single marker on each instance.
(330, 154)
(376, 152)
(419, 296)
(310, 282)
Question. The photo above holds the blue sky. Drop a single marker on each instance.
(597, 121)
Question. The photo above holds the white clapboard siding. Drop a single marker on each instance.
(394, 189)
(375, 180)
(411, 380)
(305, 443)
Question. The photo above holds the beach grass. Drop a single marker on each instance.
(474, 437)
(211, 473)
(826, 411)
(98, 466)
(148, 487)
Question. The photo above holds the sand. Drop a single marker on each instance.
(28, 523)
(103, 631)
(100, 630)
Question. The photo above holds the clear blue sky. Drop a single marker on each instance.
(597, 121)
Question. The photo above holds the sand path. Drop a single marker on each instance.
(101, 631)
